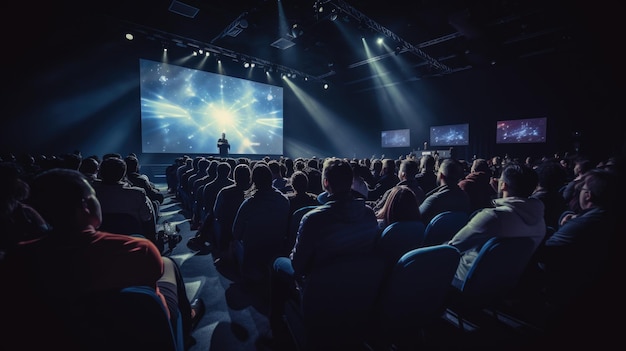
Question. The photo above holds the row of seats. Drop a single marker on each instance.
(402, 300)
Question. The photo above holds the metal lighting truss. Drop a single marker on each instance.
(344, 6)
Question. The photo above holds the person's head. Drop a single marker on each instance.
(408, 169)
(132, 164)
(313, 163)
(598, 189)
(582, 166)
(337, 176)
(376, 166)
(481, 165)
(89, 166)
(65, 200)
(552, 175)
(262, 176)
(450, 172)
(275, 168)
(427, 163)
(223, 135)
(389, 166)
(496, 161)
(111, 154)
(203, 165)
(288, 162)
(401, 205)
(299, 165)
(517, 180)
(112, 170)
(299, 181)
(71, 161)
(223, 169)
(242, 175)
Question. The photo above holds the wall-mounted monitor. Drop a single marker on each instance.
(395, 138)
(517, 131)
(184, 110)
(449, 135)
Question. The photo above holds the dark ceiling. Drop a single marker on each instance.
(423, 38)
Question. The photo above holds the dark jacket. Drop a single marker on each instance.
(341, 226)
(478, 188)
(444, 198)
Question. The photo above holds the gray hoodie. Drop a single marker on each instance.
(511, 217)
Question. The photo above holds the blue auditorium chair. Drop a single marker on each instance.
(399, 238)
(443, 227)
(494, 275)
(414, 295)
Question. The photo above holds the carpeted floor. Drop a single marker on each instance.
(236, 318)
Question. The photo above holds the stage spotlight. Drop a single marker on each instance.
(246, 64)
(129, 36)
(296, 31)
(333, 15)
(325, 85)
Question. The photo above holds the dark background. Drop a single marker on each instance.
(72, 80)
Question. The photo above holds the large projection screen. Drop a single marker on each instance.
(184, 110)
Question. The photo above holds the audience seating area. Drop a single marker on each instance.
(405, 298)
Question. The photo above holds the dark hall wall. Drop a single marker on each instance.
(81, 92)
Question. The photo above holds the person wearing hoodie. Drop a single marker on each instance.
(515, 215)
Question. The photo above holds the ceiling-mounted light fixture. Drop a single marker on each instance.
(333, 15)
(296, 30)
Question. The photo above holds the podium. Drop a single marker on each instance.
(442, 153)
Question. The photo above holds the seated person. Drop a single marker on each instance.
(447, 196)
(18, 220)
(260, 226)
(74, 260)
(344, 225)
(477, 185)
(406, 174)
(427, 176)
(141, 180)
(579, 252)
(116, 196)
(551, 179)
(300, 197)
(515, 215)
(401, 205)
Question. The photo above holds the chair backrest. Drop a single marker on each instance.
(133, 318)
(414, 294)
(338, 302)
(443, 226)
(497, 269)
(399, 238)
(264, 237)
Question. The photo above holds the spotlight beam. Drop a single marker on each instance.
(379, 28)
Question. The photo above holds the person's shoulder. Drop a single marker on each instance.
(136, 189)
(128, 241)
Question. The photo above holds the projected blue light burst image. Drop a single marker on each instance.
(185, 110)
